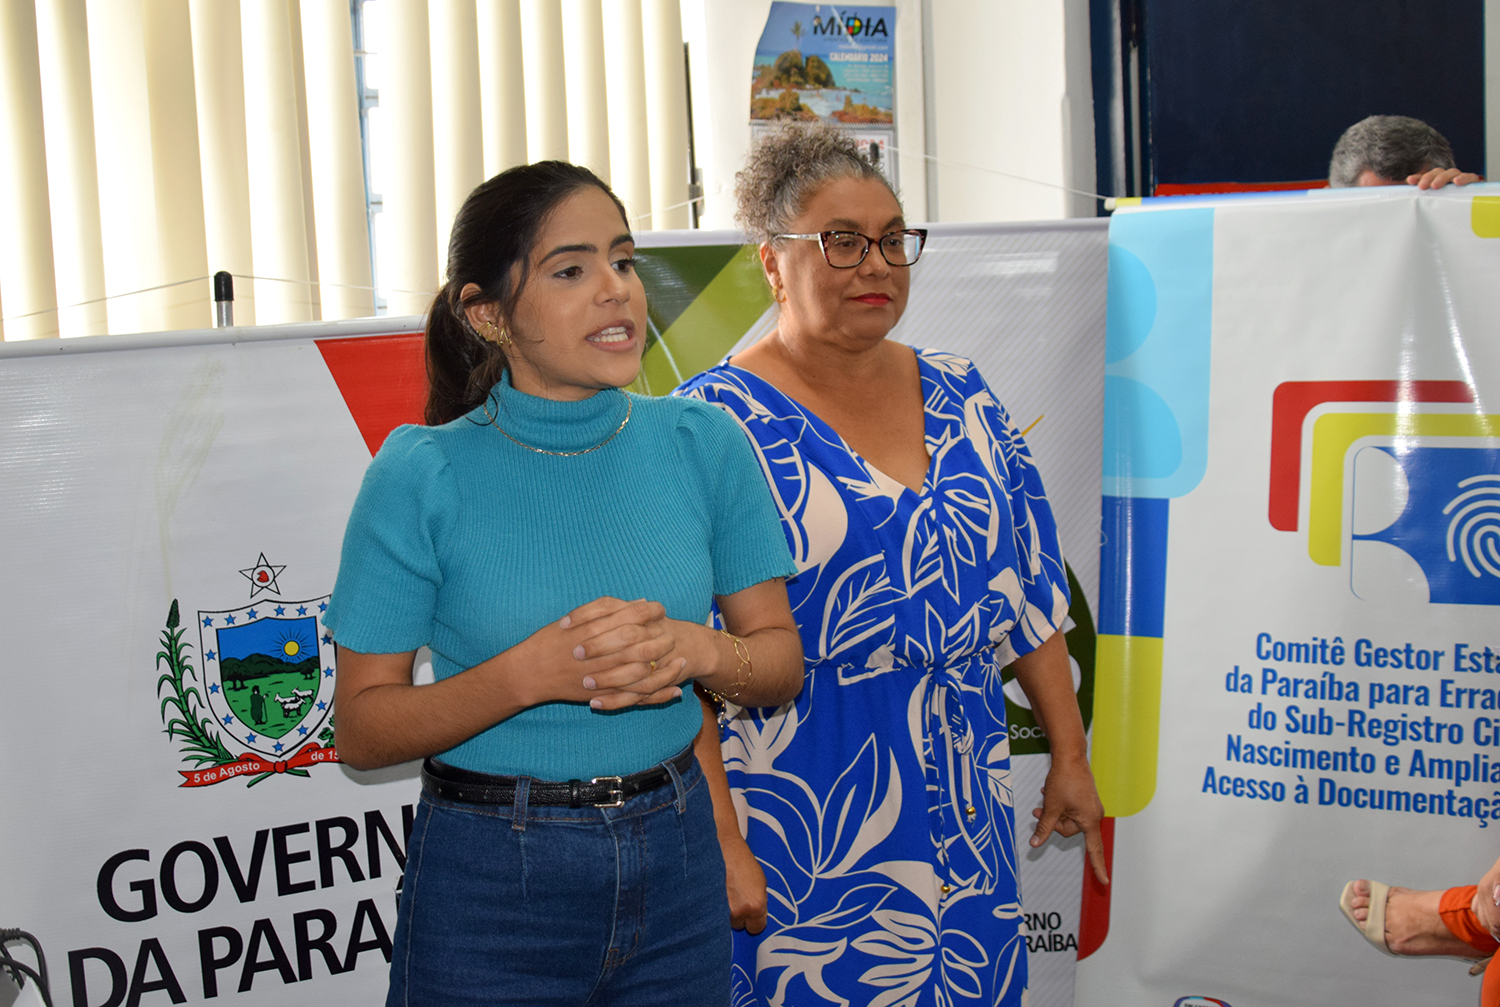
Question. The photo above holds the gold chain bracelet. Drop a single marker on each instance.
(742, 652)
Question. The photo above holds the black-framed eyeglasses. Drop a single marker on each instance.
(847, 249)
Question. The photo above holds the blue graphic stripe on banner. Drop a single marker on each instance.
(1133, 566)
(1158, 326)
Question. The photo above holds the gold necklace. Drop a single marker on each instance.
(495, 422)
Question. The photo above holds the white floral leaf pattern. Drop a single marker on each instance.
(880, 801)
(907, 943)
(788, 957)
(854, 824)
(853, 612)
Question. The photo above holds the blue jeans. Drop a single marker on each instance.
(543, 905)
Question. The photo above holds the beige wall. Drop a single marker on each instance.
(1027, 59)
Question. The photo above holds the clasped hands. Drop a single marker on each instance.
(613, 654)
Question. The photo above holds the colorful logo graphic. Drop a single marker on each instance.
(1200, 1001)
(848, 23)
(265, 688)
(1427, 518)
(1400, 481)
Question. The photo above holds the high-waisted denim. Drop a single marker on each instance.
(518, 904)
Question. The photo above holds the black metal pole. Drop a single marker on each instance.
(223, 300)
(695, 175)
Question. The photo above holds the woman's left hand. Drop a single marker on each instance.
(639, 645)
(680, 650)
(1070, 801)
(1070, 805)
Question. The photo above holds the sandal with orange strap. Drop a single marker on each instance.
(1373, 928)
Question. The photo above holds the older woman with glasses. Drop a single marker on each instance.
(879, 802)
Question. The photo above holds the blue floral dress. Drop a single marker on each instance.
(879, 802)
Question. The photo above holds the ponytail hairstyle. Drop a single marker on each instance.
(490, 247)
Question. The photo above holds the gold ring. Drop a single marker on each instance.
(653, 665)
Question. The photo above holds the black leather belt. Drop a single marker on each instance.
(453, 784)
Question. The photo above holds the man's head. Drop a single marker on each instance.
(1386, 150)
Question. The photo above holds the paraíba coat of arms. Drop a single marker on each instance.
(259, 700)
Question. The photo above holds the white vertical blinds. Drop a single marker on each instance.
(127, 182)
(502, 84)
(145, 144)
(457, 130)
(546, 83)
(177, 174)
(72, 171)
(666, 105)
(26, 278)
(583, 65)
(283, 289)
(409, 258)
(299, 105)
(337, 162)
(219, 75)
(625, 80)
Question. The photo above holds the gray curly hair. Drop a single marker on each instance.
(787, 166)
(1392, 146)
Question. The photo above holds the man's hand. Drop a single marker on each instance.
(1436, 178)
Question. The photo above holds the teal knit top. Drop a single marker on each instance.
(467, 542)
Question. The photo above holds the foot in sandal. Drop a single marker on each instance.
(1412, 925)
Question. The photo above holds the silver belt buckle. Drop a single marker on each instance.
(617, 790)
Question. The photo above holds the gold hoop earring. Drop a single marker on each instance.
(779, 295)
(492, 333)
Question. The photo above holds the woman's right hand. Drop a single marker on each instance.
(745, 883)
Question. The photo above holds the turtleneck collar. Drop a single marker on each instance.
(550, 424)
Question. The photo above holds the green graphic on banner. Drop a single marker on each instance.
(1026, 737)
(702, 300)
(674, 277)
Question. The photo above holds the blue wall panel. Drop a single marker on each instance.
(1260, 90)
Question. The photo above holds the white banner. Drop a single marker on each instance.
(175, 826)
(1300, 573)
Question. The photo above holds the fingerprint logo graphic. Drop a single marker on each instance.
(1425, 524)
(1474, 525)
